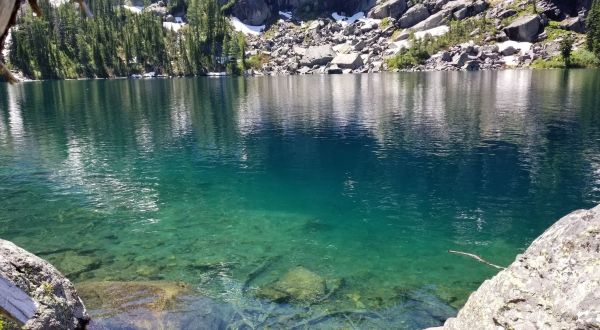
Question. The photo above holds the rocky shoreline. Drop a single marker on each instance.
(365, 43)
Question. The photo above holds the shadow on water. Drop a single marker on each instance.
(363, 179)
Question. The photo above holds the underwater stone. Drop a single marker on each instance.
(115, 297)
(73, 264)
(299, 284)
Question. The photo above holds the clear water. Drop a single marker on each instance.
(365, 178)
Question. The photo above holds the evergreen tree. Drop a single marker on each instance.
(593, 28)
(116, 42)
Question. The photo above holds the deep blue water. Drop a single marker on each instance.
(365, 178)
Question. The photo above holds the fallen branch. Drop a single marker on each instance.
(258, 271)
(476, 257)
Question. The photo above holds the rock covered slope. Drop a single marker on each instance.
(486, 35)
(554, 284)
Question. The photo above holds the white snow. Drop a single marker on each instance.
(511, 60)
(57, 3)
(245, 28)
(395, 47)
(523, 46)
(435, 32)
(134, 9)
(286, 14)
(173, 26)
(360, 16)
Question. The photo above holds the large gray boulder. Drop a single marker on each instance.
(413, 15)
(35, 293)
(348, 61)
(555, 284)
(252, 12)
(526, 28)
(318, 55)
(388, 8)
(432, 21)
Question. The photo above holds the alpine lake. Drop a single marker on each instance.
(293, 202)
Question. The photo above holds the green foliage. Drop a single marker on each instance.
(257, 61)
(552, 63)
(566, 47)
(385, 22)
(580, 58)
(422, 49)
(407, 58)
(115, 42)
(593, 28)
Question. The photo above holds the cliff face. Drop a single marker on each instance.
(555, 284)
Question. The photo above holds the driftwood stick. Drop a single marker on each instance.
(256, 272)
(476, 257)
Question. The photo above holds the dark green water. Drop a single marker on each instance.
(365, 178)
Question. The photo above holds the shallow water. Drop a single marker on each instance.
(365, 178)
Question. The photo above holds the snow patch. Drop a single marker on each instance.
(57, 3)
(522, 46)
(134, 9)
(345, 20)
(360, 16)
(286, 14)
(245, 28)
(511, 60)
(173, 26)
(395, 47)
(435, 32)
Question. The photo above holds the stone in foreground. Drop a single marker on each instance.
(35, 293)
(555, 284)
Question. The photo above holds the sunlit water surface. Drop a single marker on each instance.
(365, 178)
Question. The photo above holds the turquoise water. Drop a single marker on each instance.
(365, 178)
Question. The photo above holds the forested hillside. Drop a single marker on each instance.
(63, 43)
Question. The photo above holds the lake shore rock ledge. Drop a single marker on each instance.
(555, 284)
(35, 294)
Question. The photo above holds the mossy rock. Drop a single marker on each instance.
(115, 297)
(298, 284)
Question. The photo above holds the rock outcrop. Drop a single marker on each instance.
(388, 8)
(35, 293)
(525, 28)
(554, 284)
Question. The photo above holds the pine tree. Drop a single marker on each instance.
(593, 28)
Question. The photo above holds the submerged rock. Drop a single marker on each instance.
(553, 285)
(151, 305)
(35, 293)
(299, 284)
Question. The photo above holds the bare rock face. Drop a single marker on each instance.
(555, 284)
(525, 28)
(35, 293)
(252, 12)
(388, 8)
